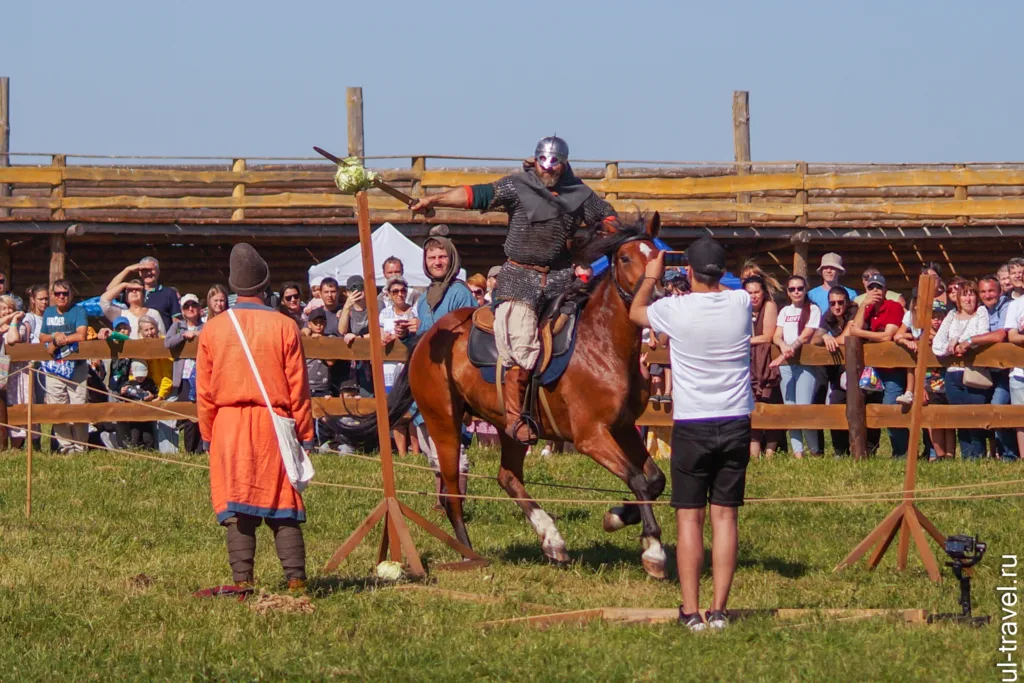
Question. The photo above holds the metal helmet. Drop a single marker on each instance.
(551, 151)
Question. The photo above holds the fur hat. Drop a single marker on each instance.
(249, 274)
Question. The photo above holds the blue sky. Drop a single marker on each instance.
(864, 81)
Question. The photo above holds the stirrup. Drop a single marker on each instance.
(526, 420)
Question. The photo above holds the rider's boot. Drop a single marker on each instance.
(516, 382)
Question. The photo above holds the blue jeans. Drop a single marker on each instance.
(999, 395)
(798, 385)
(895, 383)
(972, 441)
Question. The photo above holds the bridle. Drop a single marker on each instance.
(627, 297)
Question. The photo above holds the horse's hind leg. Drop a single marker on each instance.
(624, 456)
(510, 478)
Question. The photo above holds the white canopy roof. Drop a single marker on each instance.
(387, 241)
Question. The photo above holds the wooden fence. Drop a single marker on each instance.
(854, 415)
(782, 194)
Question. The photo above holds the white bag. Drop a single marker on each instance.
(296, 461)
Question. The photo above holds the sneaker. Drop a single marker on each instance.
(546, 452)
(906, 398)
(718, 619)
(106, 438)
(692, 621)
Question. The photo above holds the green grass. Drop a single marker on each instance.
(69, 610)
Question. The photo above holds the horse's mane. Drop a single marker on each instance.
(600, 242)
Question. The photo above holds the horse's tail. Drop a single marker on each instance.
(362, 429)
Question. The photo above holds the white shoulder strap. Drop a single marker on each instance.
(252, 362)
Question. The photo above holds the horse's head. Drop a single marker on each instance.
(628, 246)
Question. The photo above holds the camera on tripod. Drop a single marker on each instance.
(965, 552)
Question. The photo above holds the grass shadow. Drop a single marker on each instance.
(790, 570)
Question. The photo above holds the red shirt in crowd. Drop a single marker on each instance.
(888, 313)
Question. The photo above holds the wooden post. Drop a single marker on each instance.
(960, 194)
(58, 247)
(238, 166)
(396, 535)
(5, 433)
(28, 440)
(906, 520)
(5, 263)
(419, 166)
(354, 99)
(741, 139)
(856, 415)
(611, 172)
(58, 191)
(801, 195)
(5, 136)
(801, 245)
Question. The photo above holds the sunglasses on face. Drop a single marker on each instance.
(291, 297)
(61, 294)
(401, 290)
(796, 289)
(476, 292)
(836, 303)
(191, 304)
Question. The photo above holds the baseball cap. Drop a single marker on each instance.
(139, 370)
(190, 298)
(938, 306)
(875, 279)
(707, 257)
(354, 283)
(121, 320)
(493, 272)
(318, 312)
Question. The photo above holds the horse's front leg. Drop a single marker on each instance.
(627, 460)
(510, 478)
(621, 516)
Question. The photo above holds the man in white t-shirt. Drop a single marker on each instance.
(709, 332)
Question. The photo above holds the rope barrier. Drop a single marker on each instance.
(577, 501)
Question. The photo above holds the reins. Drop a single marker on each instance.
(627, 297)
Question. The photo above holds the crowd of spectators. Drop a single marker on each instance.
(966, 315)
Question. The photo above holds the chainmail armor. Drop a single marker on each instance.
(539, 244)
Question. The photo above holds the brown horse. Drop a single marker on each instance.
(595, 403)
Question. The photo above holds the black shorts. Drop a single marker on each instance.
(709, 462)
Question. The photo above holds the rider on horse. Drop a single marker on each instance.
(546, 205)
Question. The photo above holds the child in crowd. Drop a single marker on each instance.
(943, 441)
(138, 387)
(318, 369)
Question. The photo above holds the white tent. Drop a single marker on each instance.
(387, 241)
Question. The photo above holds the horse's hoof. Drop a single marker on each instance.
(653, 561)
(613, 520)
(557, 555)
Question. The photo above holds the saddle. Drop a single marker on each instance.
(556, 328)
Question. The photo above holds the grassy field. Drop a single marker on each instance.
(70, 609)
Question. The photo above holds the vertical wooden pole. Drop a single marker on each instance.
(5, 263)
(801, 195)
(57, 193)
(5, 432)
(800, 251)
(741, 139)
(960, 194)
(58, 248)
(926, 286)
(419, 166)
(856, 415)
(5, 136)
(611, 172)
(28, 440)
(238, 166)
(356, 146)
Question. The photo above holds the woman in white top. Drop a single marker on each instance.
(135, 295)
(28, 333)
(954, 339)
(797, 323)
(397, 291)
(12, 332)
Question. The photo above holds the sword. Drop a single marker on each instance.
(377, 182)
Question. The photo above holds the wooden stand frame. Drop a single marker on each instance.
(395, 533)
(906, 520)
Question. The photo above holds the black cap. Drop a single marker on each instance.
(355, 283)
(318, 312)
(707, 257)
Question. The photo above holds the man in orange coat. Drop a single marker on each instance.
(248, 483)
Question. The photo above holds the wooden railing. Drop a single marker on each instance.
(790, 193)
(884, 355)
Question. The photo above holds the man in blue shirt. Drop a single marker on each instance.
(830, 270)
(996, 303)
(64, 325)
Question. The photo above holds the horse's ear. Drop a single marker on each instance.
(653, 225)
